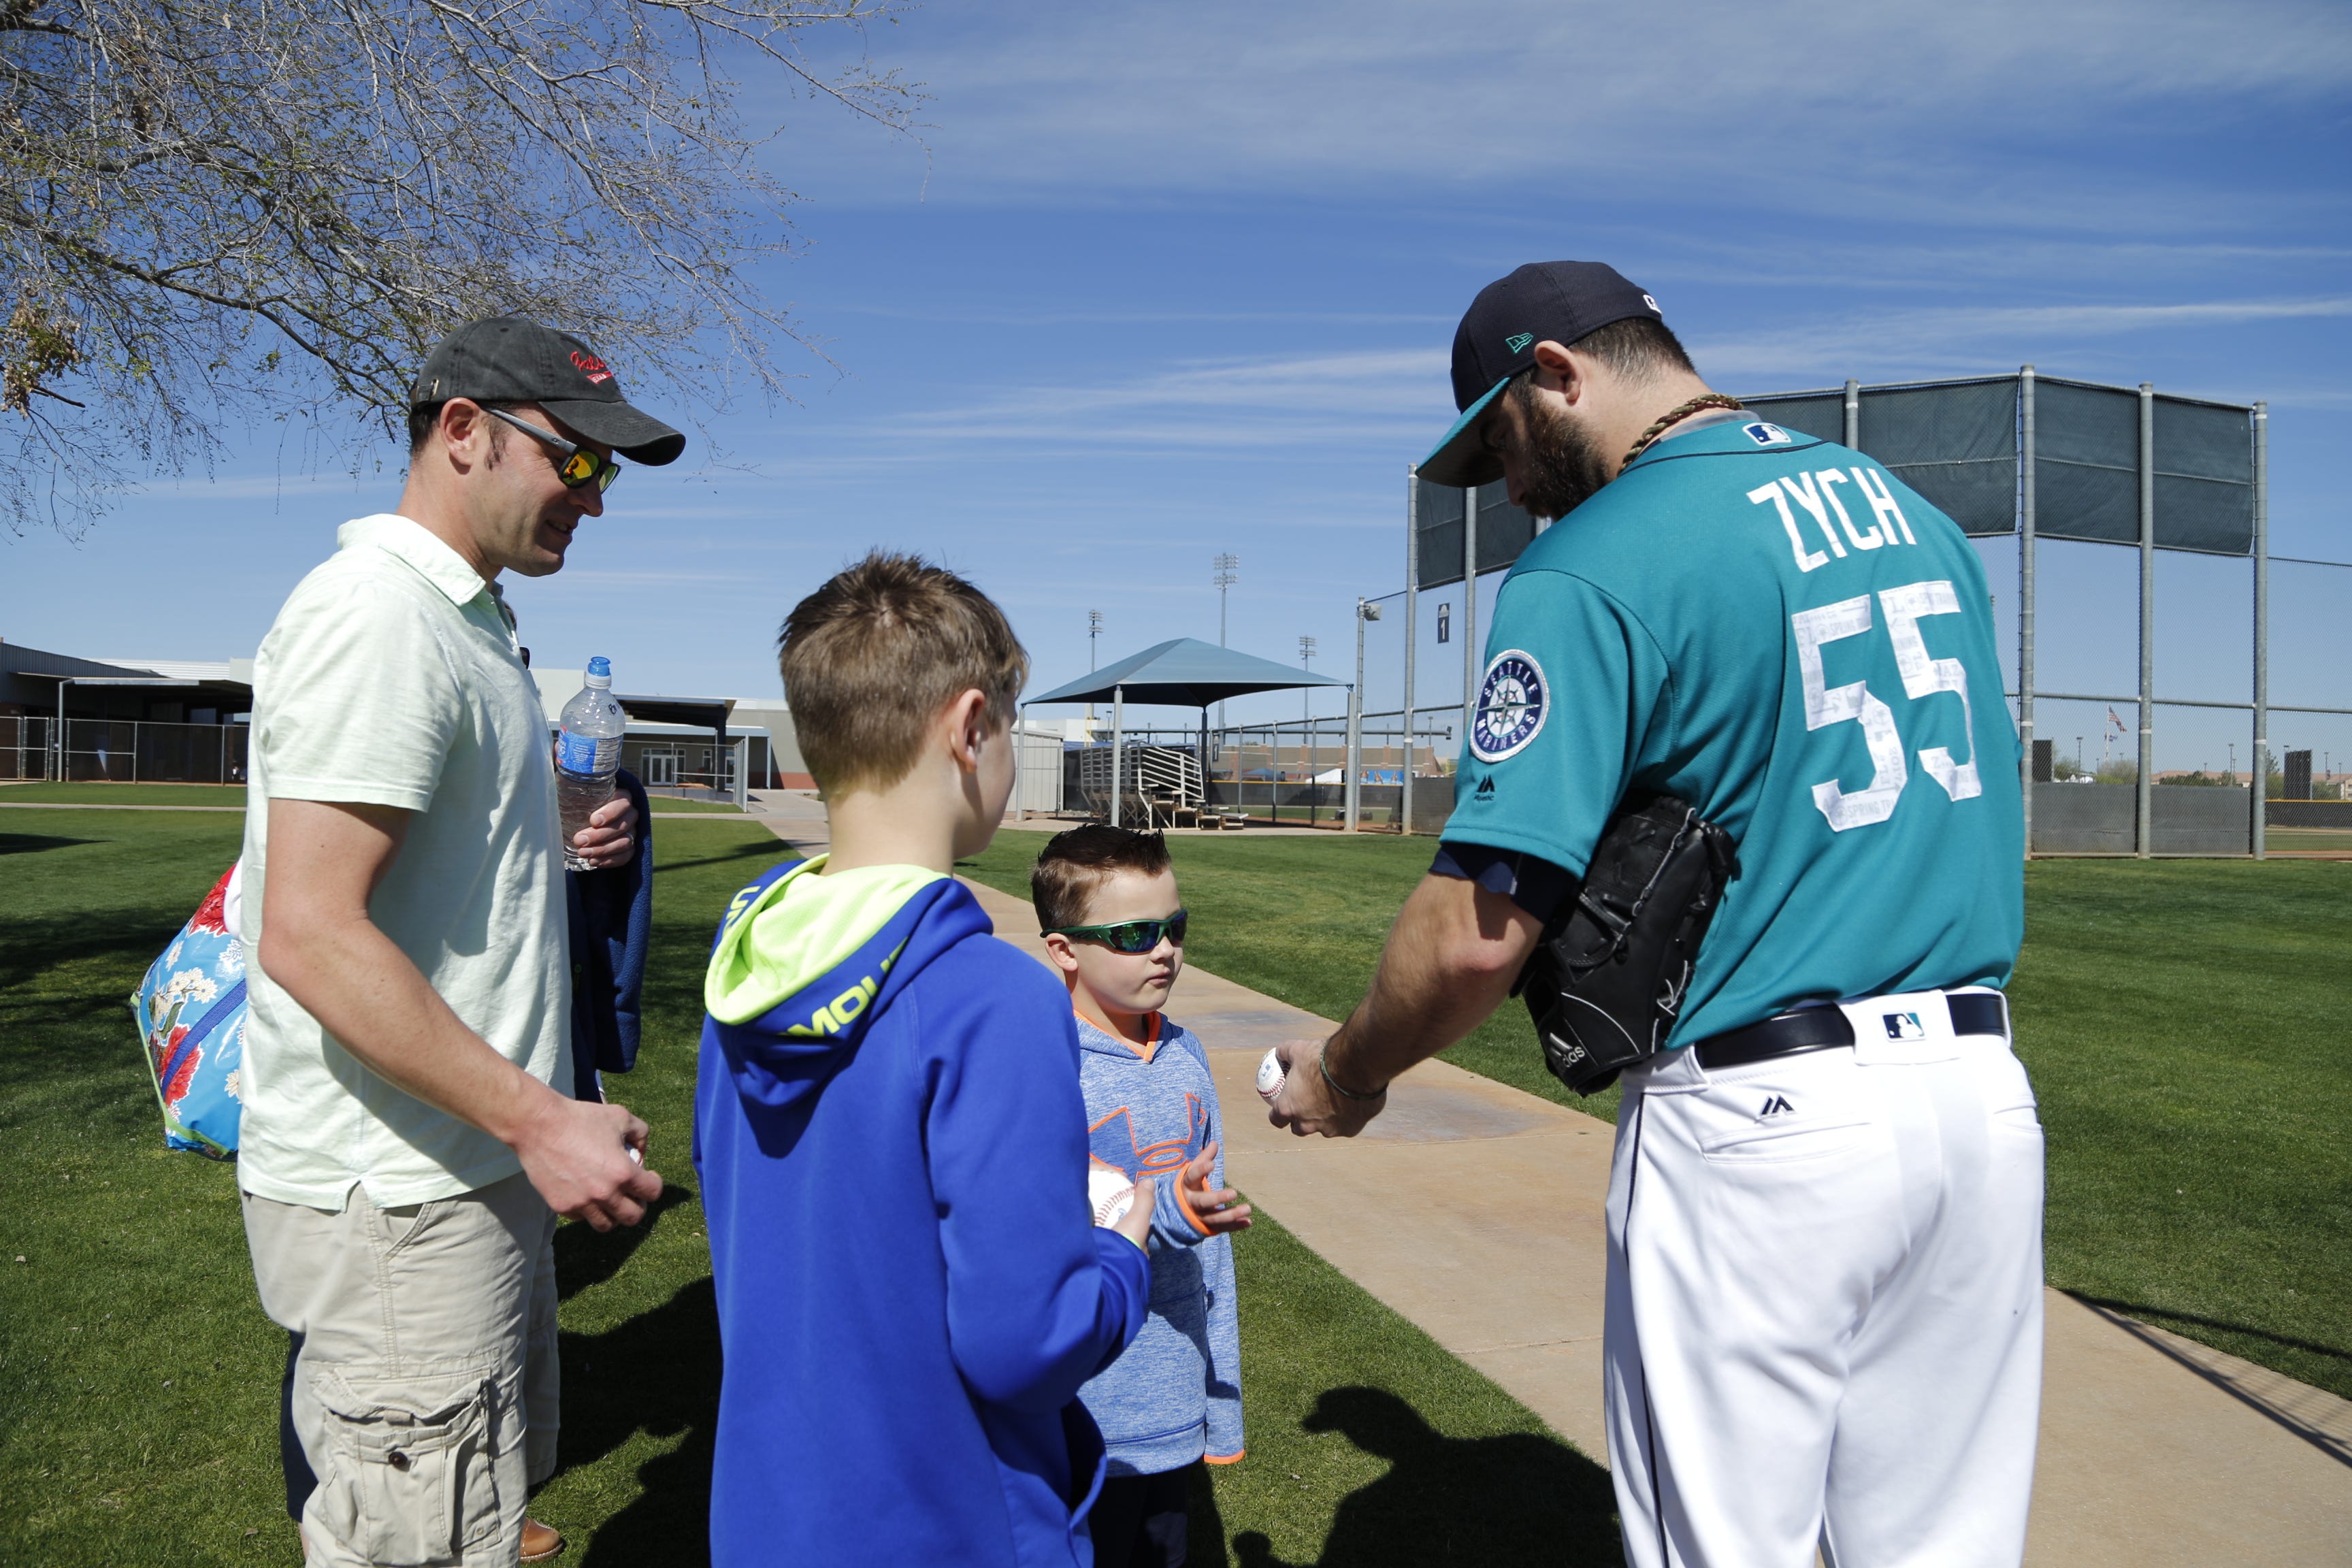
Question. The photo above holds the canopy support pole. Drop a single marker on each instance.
(2262, 628)
(2144, 839)
(2025, 523)
(1117, 749)
(1201, 807)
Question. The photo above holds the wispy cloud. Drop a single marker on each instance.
(1070, 101)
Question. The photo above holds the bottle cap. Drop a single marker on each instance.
(600, 672)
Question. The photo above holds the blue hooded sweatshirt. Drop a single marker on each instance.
(893, 1154)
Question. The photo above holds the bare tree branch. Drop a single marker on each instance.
(225, 212)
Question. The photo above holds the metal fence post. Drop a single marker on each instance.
(1469, 624)
(2261, 627)
(1852, 414)
(1354, 795)
(2026, 593)
(1412, 632)
(2144, 840)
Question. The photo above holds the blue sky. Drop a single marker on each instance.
(1162, 281)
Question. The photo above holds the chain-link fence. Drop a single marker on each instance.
(123, 751)
(2030, 465)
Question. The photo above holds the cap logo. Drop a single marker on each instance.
(592, 367)
(1653, 304)
(1518, 341)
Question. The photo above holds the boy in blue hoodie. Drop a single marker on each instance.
(890, 1136)
(1114, 926)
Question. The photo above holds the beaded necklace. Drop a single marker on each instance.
(1674, 416)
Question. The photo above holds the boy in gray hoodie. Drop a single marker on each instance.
(1107, 904)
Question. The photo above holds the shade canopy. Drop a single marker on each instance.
(1185, 673)
(698, 712)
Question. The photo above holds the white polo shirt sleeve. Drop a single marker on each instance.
(378, 702)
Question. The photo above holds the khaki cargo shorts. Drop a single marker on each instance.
(425, 1393)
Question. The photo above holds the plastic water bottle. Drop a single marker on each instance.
(587, 755)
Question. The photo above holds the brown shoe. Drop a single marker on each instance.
(541, 1543)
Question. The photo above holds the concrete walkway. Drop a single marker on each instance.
(2154, 1451)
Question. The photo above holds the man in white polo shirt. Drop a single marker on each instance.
(402, 1153)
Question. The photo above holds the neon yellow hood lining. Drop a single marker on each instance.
(803, 926)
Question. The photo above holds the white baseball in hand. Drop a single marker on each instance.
(1112, 1194)
(1270, 1076)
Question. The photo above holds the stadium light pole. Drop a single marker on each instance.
(1469, 625)
(1227, 573)
(1306, 697)
(1411, 631)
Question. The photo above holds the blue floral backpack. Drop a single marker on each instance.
(191, 1015)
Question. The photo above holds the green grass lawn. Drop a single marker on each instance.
(2182, 1020)
(234, 795)
(672, 805)
(125, 794)
(138, 1379)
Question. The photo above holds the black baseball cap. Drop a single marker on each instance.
(507, 359)
(1557, 301)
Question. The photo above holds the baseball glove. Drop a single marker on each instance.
(1607, 981)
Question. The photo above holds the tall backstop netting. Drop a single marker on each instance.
(2035, 457)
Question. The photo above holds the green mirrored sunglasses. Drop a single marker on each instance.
(1128, 936)
(579, 467)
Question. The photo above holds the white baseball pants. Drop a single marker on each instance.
(1824, 1320)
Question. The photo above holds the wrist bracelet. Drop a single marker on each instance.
(1341, 1089)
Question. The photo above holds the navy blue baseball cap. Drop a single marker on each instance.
(511, 359)
(1554, 301)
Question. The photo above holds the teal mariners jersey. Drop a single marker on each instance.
(1776, 630)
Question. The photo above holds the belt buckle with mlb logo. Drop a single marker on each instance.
(1904, 1027)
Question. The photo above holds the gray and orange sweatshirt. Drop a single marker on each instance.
(1175, 1395)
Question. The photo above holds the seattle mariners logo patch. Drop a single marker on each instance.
(1511, 706)
(1765, 434)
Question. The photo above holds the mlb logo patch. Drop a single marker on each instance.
(1765, 434)
(1905, 1026)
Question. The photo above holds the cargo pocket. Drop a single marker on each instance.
(412, 1481)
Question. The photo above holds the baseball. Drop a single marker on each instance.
(1112, 1194)
(1270, 1076)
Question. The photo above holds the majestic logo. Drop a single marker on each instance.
(1905, 1026)
(592, 367)
(1518, 341)
(1765, 434)
(1511, 706)
(1486, 790)
(1777, 1106)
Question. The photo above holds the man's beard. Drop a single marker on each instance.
(1563, 467)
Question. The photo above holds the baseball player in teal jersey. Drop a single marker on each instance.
(1824, 1322)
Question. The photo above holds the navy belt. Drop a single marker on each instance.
(1819, 1028)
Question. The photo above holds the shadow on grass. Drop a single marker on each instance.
(2164, 1317)
(34, 842)
(1517, 1498)
(658, 1373)
(766, 848)
(586, 1257)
